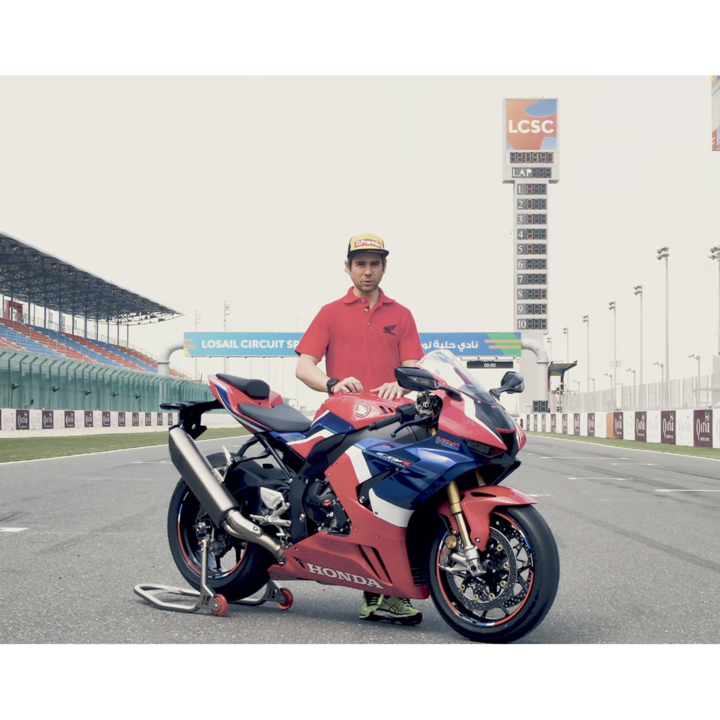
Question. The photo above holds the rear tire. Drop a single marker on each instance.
(519, 585)
(237, 569)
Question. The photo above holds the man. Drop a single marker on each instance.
(364, 337)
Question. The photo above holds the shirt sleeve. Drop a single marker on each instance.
(316, 338)
(410, 346)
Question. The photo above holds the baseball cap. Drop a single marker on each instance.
(367, 242)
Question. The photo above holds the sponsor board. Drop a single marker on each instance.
(69, 418)
(591, 424)
(148, 419)
(702, 428)
(535, 423)
(610, 425)
(121, 419)
(268, 344)
(565, 424)
(171, 418)
(48, 419)
(684, 427)
(88, 418)
(136, 419)
(667, 427)
(618, 425)
(531, 124)
(159, 419)
(576, 424)
(628, 425)
(22, 419)
(106, 419)
(641, 426)
(542, 418)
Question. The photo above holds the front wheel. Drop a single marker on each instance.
(518, 587)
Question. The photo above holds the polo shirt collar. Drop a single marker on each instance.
(351, 297)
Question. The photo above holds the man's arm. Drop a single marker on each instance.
(308, 371)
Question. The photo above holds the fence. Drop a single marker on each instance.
(697, 392)
(42, 382)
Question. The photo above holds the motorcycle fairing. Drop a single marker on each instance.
(374, 549)
(324, 426)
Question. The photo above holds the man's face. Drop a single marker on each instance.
(366, 271)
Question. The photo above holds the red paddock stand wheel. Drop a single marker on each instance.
(223, 603)
(288, 599)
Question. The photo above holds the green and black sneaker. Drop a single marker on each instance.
(397, 610)
(371, 602)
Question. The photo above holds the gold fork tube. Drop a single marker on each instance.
(456, 510)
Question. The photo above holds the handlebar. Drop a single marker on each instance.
(404, 412)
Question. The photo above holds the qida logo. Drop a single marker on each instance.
(531, 124)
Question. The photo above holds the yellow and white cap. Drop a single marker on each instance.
(367, 242)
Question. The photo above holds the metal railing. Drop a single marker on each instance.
(43, 382)
(696, 392)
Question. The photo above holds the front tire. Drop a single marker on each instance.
(518, 588)
(236, 568)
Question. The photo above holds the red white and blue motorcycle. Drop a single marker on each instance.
(397, 497)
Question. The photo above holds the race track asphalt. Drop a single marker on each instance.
(637, 534)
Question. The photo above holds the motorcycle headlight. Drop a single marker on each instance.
(482, 449)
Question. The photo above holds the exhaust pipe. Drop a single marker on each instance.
(197, 472)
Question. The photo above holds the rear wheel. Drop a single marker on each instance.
(518, 587)
(235, 568)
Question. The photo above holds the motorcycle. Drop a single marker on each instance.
(395, 497)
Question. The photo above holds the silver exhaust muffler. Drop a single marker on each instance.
(205, 484)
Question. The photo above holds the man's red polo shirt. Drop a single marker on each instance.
(362, 342)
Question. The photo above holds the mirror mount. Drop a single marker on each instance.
(511, 382)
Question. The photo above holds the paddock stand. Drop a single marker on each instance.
(206, 598)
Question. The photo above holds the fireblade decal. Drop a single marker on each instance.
(393, 460)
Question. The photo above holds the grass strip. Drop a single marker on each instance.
(713, 453)
(35, 448)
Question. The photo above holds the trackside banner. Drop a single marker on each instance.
(209, 344)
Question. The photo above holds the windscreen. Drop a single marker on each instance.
(445, 365)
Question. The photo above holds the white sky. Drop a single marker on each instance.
(193, 191)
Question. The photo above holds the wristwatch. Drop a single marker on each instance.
(331, 383)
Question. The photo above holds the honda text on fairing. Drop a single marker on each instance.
(396, 497)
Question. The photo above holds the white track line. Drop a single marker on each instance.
(681, 490)
(107, 452)
(12, 529)
(569, 457)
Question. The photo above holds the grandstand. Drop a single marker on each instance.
(53, 313)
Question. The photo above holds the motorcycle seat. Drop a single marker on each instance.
(280, 418)
(257, 389)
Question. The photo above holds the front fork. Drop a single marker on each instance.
(469, 553)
